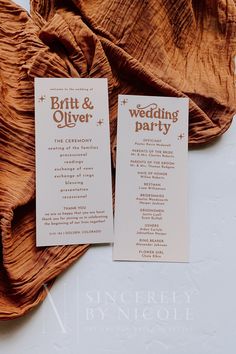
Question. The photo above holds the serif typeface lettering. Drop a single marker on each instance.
(151, 222)
(73, 168)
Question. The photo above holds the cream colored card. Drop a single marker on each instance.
(73, 168)
(151, 213)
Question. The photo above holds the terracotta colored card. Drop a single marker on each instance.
(73, 168)
(151, 222)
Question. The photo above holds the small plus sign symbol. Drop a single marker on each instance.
(42, 98)
(100, 122)
(124, 102)
(181, 136)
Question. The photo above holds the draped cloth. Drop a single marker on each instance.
(177, 48)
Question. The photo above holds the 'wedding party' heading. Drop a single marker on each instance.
(162, 117)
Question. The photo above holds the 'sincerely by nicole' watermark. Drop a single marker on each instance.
(115, 310)
(140, 305)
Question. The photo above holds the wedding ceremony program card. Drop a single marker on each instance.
(151, 179)
(73, 165)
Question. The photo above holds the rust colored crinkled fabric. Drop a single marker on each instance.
(150, 47)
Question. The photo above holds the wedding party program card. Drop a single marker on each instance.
(73, 168)
(151, 179)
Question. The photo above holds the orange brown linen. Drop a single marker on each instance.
(151, 47)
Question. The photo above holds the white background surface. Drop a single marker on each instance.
(104, 307)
